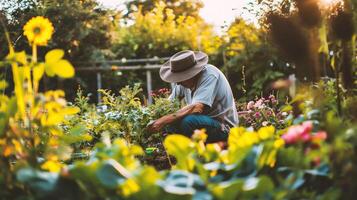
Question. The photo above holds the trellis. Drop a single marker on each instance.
(147, 64)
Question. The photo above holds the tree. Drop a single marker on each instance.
(179, 7)
(82, 28)
(248, 60)
(159, 33)
(162, 33)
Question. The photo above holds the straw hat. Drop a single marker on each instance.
(183, 66)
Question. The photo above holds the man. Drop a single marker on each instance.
(205, 90)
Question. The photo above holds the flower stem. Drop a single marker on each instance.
(34, 53)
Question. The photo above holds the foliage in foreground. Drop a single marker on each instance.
(301, 161)
(202, 172)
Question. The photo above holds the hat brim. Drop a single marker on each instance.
(168, 76)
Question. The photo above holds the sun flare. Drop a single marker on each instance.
(329, 3)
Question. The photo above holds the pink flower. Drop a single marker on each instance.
(257, 114)
(258, 103)
(292, 135)
(305, 137)
(319, 136)
(307, 126)
(298, 133)
(153, 94)
(250, 105)
(269, 113)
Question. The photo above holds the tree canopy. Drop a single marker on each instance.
(82, 28)
(179, 7)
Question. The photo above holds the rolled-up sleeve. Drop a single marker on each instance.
(176, 92)
(206, 91)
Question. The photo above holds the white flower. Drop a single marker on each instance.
(258, 103)
(265, 123)
(262, 106)
(284, 114)
(250, 105)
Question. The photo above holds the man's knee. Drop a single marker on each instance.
(189, 124)
(189, 121)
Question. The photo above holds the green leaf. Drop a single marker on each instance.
(77, 134)
(85, 173)
(258, 185)
(147, 178)
(180, 147)
(111, 174)
(183, 184)
(286, 108)
(77, 130)
(3, 84)
(3, 64)
(11, 111)
(228, 190)
(42, 182)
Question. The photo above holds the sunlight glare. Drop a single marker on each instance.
(329, 3)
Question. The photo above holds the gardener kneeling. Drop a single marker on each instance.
(205, 90)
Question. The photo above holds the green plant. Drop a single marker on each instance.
(30, 135)
(122, 116)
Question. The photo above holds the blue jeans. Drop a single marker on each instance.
(190, 123)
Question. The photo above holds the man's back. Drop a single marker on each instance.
(214, 91)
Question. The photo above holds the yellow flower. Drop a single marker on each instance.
(8, 150)
(52, 166)
(17, 145)
(199, 135)
(279, 143)
(2, 141)
(129, 187)
(248, 139)
(266, 132)
(38, 31)
(237, 131)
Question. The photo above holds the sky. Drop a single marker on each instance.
(216, 12)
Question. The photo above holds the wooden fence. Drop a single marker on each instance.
(147, 64)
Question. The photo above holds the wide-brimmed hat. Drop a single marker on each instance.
(183, 66)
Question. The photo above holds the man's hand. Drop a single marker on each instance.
(198, 108)
(167, 119)
(156, 126)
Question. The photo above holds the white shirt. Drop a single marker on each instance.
(214, 91)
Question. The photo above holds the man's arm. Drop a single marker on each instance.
(167, 119)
